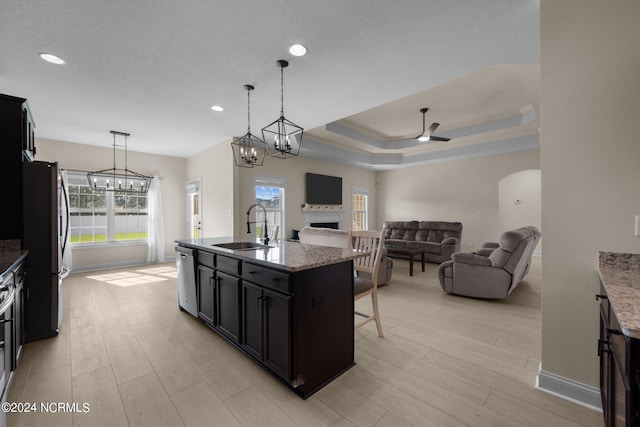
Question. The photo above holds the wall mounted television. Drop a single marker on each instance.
(323, 189)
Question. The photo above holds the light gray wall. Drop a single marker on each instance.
(89, 157)
(519, 196)
(590, 175)
(462, 190)
(215, 168)
(294, 170)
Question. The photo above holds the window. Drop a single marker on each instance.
(270, 194)
(359, 208)
(105, 216)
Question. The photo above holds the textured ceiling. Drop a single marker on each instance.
(153, 69)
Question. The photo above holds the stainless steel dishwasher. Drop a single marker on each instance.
(186, 280)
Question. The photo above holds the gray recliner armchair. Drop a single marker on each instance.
(495, 270)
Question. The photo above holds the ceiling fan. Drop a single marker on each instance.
(427, 133)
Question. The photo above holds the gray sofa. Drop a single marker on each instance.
(495, 270)
(438, 239)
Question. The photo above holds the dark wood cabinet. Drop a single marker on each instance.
(218, 293)
(228, 305)
(298, 325)
(16, 136)
(206, 292)
(252, 324)
(267, 327)
(606, 359)
(619, 369)
(276, 309)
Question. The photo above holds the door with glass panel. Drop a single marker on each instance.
(194, 211)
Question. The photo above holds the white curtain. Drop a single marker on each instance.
(65, 232)
(155, 252)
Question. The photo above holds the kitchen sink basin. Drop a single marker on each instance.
(242, 246)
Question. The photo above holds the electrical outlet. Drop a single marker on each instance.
(637, 226)
(472, 245)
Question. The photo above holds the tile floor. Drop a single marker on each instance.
(126, 350)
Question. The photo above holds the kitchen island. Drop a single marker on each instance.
(286, 305)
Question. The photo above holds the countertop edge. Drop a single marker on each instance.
(19, 257)
(620, 276)
(245, 255)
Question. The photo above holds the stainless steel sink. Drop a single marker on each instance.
(242, 246)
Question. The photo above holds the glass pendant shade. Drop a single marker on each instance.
(120, 180)
(282, 137)
(248, 151)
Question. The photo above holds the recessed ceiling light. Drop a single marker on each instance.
(51, 58)
(217, 108)
(297, 50)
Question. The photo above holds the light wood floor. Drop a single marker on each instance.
(125, 349)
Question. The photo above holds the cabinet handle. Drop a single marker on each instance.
(614, 331)
(253, 272)
(262, 300)
(216, 280)
(601, 349)
(603, 296)
(277, 280)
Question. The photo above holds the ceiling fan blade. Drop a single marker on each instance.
(432, 128)
(405, 139)
(426, 132)
(438, 138)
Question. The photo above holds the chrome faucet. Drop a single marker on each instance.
(265, 236)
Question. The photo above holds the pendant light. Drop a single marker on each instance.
(119, 180)
(248, 150)
(282, 136)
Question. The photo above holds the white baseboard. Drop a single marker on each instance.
(568, 389)
(121, 264)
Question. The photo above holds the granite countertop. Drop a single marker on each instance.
(10, 255)
(620, 275)
(281, 254)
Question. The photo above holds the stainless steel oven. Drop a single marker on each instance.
(6, 331)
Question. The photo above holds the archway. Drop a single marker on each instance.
(519, 201)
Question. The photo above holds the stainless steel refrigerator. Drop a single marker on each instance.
(43, 235)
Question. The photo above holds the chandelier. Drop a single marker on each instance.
(119, 180)
(248, 150)
(282, 136)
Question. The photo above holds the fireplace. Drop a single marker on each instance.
(329, 216)
(334, 225)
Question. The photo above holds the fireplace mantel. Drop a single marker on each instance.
(322, 213)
